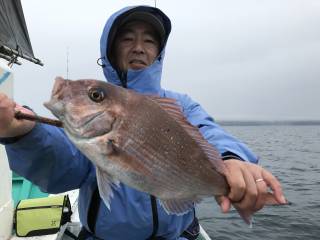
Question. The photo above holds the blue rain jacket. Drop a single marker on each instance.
(46, 157)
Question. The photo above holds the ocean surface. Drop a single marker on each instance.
(291, 153)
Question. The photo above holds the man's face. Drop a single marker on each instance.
(136, 46)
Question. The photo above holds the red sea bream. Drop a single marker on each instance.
(142, 141)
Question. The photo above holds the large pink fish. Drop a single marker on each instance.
(142, 141)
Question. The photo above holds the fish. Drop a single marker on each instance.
(143, 141)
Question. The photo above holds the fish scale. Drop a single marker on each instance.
(150, 154)
(156, 143)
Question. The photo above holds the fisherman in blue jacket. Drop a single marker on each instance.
(132, 52)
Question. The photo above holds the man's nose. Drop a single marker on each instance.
(138, 47)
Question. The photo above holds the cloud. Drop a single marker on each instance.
(239, 59)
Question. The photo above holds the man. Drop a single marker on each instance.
(132, 51)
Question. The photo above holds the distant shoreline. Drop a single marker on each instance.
(267, 123)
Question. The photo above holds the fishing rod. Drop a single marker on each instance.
(24, 116)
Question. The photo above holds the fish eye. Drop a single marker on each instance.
(96, 94)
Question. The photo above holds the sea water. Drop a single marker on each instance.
(292, 154)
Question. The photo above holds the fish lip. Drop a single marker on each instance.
(76, 130)
(55, 106)
(90, 119)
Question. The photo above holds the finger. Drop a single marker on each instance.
(246, 207)
(23, 109)
(6, 110)
(251, 192)
(235, 180)
(224, 203)
(5, 102)
(275, 185)
(2, 97)
(261, 186)
(262, 190)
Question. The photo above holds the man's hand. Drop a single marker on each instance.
(249, 185)
(9, 125)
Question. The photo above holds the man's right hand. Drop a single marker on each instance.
(9, 125)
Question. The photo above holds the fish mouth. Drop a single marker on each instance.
(90, 126)
(86, 120)
(84, 128)
(55, 107)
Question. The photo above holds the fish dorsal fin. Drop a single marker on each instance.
(175, 111)
(171, 107)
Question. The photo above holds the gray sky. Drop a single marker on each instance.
(245, 59)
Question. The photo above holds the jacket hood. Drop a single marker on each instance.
(147, 80)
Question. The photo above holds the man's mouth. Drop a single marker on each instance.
(137, 63)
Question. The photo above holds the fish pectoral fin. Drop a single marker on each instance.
(178, 206)
(105, 182)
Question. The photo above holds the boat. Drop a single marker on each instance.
(14, 44)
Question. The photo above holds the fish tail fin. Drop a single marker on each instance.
(272, 201)
(247, 217)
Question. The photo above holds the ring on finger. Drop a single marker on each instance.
(259, 180)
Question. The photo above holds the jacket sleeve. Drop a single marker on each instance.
(47, 158)
(213, 133)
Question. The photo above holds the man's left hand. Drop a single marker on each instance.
(249, 185)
